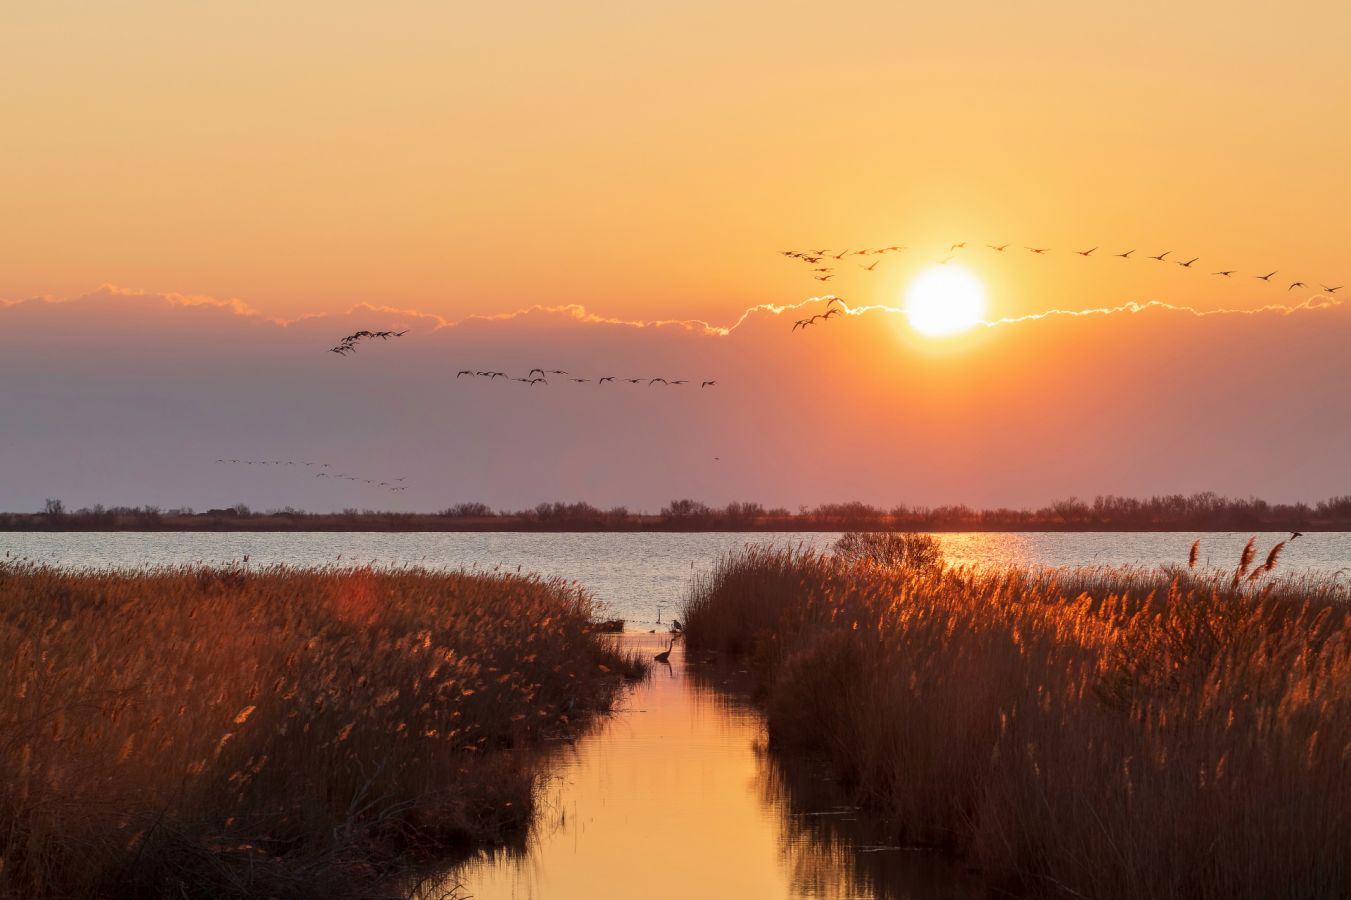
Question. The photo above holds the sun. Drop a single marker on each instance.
(944, 300)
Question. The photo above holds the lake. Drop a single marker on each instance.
(640, 577)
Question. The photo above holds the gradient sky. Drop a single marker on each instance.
(646, 161)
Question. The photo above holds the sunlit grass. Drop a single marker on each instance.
(225, 732)
(1100, 733)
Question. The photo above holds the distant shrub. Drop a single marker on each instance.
(469, 511)
(906, 549)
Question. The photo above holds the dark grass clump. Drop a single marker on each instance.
(195, 732)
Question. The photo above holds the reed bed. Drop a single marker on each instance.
(1083, 733)
(194, 732)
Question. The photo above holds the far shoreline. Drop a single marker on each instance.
(316, 525)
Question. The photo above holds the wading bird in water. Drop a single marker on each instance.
(665, 655)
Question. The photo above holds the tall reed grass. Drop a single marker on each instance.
(195, 732)
(1085, 733)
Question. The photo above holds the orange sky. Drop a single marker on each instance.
(648, 162)
(648, 159)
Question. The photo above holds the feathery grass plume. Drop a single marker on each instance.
(1245, 559)
(1195, 554)
(1270, 564)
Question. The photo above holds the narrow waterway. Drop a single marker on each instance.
(675, 796)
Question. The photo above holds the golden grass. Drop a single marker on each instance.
(195, 732)
(1099, 733)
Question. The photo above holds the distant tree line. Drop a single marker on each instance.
(1173, 512)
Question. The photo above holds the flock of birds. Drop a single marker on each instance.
(541, 376)
(392, 485)
(814, 258)
(831, 310)
(349, 344)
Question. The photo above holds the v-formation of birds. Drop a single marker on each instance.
(392, 485)
(540, 376)
(349, 344)
(814, 258)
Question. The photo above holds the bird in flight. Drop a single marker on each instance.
(1295, 285)
(1227, 273)
(1088, 252)
(464, 372)
(709, 384)
(834, 300)
(532, 372)
(870, 268)
(999, 247)
(961, 246)
(633, 380)
(605, 379)
(1189, 263)
(1126, 255)
(1333, 290)
(1161, 256)
(655, 380)
(1266, 277)
(1038, 250)
(823, 277)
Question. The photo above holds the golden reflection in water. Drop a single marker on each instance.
(672, 798)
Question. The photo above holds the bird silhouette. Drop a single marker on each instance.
(665, 655)
(1266, 277)
(655, 380)
(869, 268)
(1296, 534)
(1227, 273)
(605, 379)
(1333, 290)
(1000, 247)
(464, 372)
(1295, 285)
(1088, 252)
(961, 246)
(834, 300)
(1038, 250)
(1126, 255)
(1189, 263)
(709, 384)
(823, 277)
(1162, 255)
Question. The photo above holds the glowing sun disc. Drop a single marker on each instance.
(944, 300)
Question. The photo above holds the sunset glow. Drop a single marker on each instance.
(945, 300)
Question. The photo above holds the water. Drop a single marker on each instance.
(675, 797)
(639, 577)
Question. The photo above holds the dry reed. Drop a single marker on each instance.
(194, 732)
(1097, 733)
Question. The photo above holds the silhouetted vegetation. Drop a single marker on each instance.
(200, 732)
(1107, 733)
(1175, 512)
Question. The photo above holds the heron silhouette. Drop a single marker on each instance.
(665, 655)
